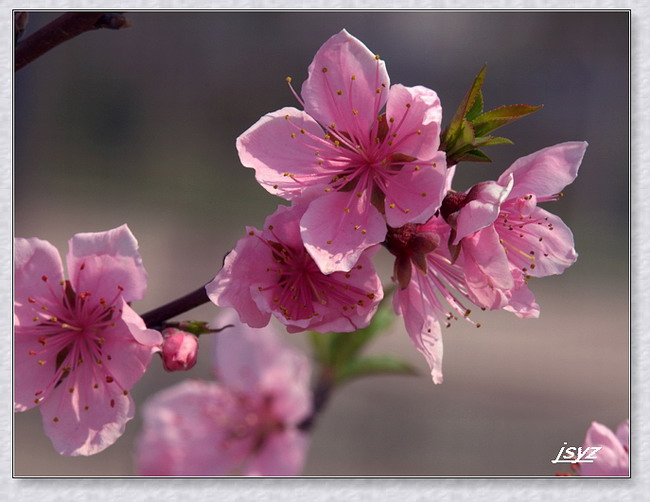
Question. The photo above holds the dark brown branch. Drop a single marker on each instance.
(320, 398)
(154, 318)
(64, 28)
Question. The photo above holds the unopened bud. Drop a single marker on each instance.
(179, 350)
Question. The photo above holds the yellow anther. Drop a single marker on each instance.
(288, 79)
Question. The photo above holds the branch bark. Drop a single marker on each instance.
(154, 318)
(64, 28)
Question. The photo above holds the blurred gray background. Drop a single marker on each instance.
(139, 126)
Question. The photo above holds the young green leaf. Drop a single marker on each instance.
(378, 365)
(503, 115)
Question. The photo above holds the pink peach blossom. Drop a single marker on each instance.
(270, 272)
(79, 347)
(613, 458)
(369, 167)
(247, 423)
(504, 235)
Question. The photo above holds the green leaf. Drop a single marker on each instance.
(373, 366)
(476, 109)
(492, 140)
(503, 115)
(475, 156)
(346, 346)
(454, 128)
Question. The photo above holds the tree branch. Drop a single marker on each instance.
(154, 318)
(64, 28)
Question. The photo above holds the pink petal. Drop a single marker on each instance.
(521, 299)
(34, 261)
(283, 454)
(417, 116)
(232, 285)
(486, 269)
(124, 355)
(413, 196)
(86, 420)
(547, 171)
(421, 325)
(34, 367)
(542, 245)
(104, 262)
(611, 460)
(256, 361)
(185, 432)
(284, 157)
(136, 326)
(338, 227)
(623, 434)
(344, 64)
(484, 207)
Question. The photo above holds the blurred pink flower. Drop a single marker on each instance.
(79, 347)
(369, 168)
(179, 350)
(245, 424)
(613, 459)
(270, 272)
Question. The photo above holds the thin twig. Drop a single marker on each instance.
(154, 318)
(64, 28)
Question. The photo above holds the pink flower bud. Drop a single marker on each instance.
(179, 350)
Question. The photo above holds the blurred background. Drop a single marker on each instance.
(139, 126)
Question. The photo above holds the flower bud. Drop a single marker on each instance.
(179, 350)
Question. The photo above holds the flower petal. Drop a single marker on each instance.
(421, 325)
(104, 262)
(522, 301)
(483, 208)
(337, 227)
(344, 64)
(416, 114)
(611, 459)
(256, 361)
(415, 193)
(34, 367)
(281, 147)
(135, 325)
(547, 171)
(486, 269)
(623, 434)
(185, 432)
(540, 244)
(283, 454)
(38, 271)
(231, 286)
(87, 419)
